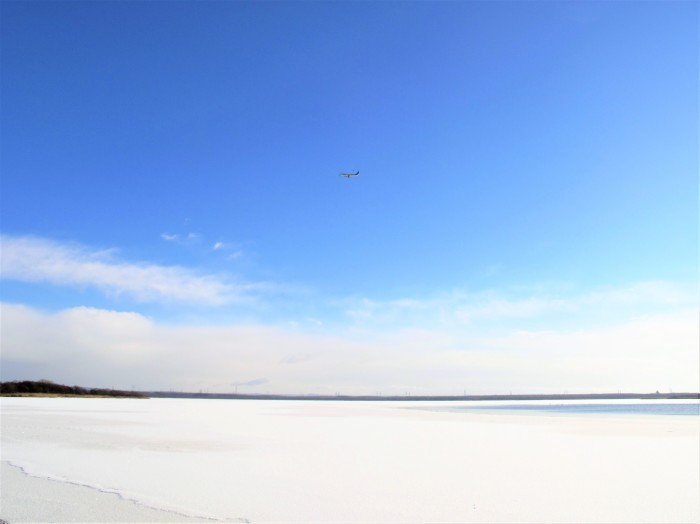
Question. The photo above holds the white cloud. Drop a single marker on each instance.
(465, 308)
(98, 347)
(654, 292)
(33, 259)
(230, 251)
(182, 239)
(512, 308)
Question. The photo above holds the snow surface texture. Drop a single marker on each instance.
(26, 498)
(341, 462)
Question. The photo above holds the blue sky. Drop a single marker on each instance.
(528, 169)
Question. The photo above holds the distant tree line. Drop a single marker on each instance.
(46, 387)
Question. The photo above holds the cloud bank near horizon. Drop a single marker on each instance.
(96, 347)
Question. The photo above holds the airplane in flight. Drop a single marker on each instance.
(348, 175)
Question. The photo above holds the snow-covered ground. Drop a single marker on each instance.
(345, 462)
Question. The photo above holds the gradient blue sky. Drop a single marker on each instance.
(528, 169)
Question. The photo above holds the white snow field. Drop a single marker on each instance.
(262, 461)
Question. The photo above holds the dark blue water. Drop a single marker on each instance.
(583, 409)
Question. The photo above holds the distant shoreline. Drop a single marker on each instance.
(563, 396)
(46, 388)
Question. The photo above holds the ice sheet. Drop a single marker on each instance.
(297, 461)
(26, 498)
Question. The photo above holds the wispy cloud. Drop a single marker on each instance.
(230, 250)
(465, 308)
(253, 382)
(33, 259)
(188, 238)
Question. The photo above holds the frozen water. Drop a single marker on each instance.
(320, 461)
(26, 498)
